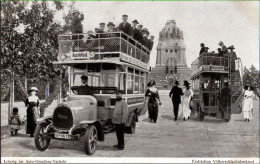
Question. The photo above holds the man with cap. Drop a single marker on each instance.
(125, 26)
(175, 94)
(150, 43)
(233, 57)
(101, 30)
(85, 89)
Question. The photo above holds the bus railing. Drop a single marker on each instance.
(102, 45)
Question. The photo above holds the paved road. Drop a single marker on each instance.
(210, 138)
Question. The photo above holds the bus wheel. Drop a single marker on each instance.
(200, 114)
(131, 128)
(91, 138)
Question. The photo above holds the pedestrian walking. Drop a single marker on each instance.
(185, 103)
(248, 104)
(119, 119)
(154, 102)
(175, 94)
(32, 103)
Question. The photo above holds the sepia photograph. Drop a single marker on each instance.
(129, 81)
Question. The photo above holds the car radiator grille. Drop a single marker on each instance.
(62, 118)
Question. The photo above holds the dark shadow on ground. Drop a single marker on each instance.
(146, 120)
(167, 117)
(27, 145)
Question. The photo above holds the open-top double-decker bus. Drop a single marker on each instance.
(112, 62)
(209, 73)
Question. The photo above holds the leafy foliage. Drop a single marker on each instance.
(251, 77)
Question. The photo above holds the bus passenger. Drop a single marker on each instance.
(101, 30)
(224, 51)
(233, 57)
(145, 34)
(76, 26)
(125, 26)
(134, 30)
(150, 43)
(140, 36)
(202, 49)
(119, 119)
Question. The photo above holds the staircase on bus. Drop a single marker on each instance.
(236, 84)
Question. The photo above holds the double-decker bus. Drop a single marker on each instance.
(209, 73)
(112, 61)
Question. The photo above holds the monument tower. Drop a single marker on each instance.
(171, 59)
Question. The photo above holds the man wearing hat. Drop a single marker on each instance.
(202, 48)
(84, 89)
(101, 30)
(134, 30)
(223, 47)
(175, 94)
(233, 57)
(145, 34)
(125, 26)
(140, 36)
(76, 28)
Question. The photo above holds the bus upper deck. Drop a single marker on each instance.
(210, 62)
(115, 46)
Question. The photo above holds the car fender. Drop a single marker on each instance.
(98, 125)
(46, 119)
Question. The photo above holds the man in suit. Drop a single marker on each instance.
(125, 26)
(77, 29)
(175, 94)
(134, 30)
(150, 43)
(202, 48)
(140, 36)
(101, 30)
(224, 51)
(85, 89)
(145, 34)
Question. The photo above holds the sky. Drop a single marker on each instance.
(234, 23)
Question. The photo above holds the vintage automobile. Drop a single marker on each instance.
(111, 64)
(209, 72)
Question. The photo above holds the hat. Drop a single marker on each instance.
(83, 77)
(90, 32)
(75, 11)
(177, 82)
(231, 47)
(145, 29)
(186, 83)
(102, 24)
(140, 25)
(226, 84)
(220, 42)
(202, 44)
(110, 24)
(135, 21)
(124, 15)
(33, 89)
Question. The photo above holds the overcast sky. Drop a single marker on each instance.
(235, 23)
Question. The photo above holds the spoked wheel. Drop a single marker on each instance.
(200, 114)
(41, 138)
(91, 138)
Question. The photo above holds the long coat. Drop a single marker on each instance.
(125, 27)
(175, 94)
(135, 33)
(150, 44)
(145, 41)
(76, 26)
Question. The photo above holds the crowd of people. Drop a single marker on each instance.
(222, 52)
(135, 31)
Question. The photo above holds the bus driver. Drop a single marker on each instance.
(85, 89)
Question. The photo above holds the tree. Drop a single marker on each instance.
(29, 40)
(251, 78)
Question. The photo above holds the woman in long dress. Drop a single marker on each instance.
(185, 103)
(248, 104)
(32, 103)
(153, 104)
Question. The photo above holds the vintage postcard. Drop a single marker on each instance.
(129, 82)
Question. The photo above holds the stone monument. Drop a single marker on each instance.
(171, 59)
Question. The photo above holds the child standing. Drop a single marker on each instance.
(15, 122)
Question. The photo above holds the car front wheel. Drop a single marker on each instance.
(91, 138)
(41, 138)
